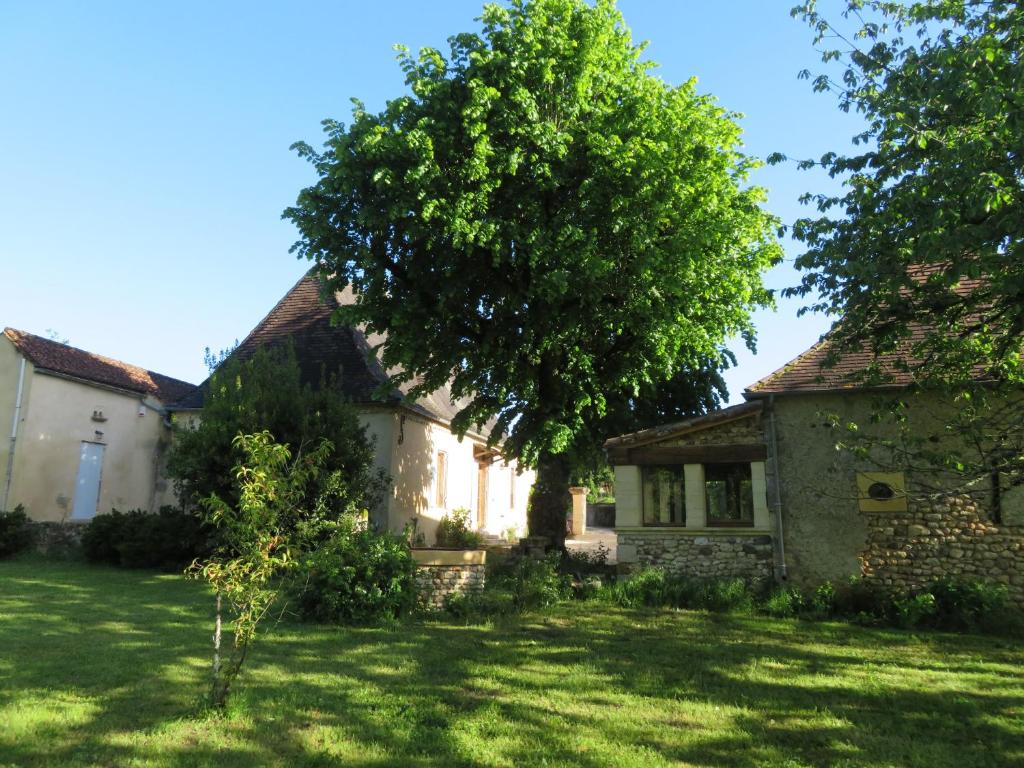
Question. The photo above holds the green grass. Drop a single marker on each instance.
(104, 667)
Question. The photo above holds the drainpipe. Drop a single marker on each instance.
(14, 435)
(773, 448)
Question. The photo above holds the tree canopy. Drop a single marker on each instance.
(542, 224)
(921, 250)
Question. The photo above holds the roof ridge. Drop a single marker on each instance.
(37, 348)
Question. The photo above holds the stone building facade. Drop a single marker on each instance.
(810, 512)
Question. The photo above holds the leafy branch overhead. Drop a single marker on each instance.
(542, 223)
(921, 251)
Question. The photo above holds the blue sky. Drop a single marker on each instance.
(144, 158)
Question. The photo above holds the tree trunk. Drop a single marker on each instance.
(549, 502)
(218, 691)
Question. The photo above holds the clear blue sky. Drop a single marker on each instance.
(144, 158)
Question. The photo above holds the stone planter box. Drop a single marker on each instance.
(444, 572)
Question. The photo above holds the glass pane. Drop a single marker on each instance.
(663, 497)
(730, 494)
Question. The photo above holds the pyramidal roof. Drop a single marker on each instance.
(303, 316)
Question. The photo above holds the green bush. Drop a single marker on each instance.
(454, 532)
(356, 576)
(969, 605)
(515, 585)
(653, 587)
(168, 540)
(16, 534)
(785, 603)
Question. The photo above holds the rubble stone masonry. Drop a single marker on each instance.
(953, 537)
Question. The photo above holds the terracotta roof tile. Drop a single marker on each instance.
(53, 356)
(808, 373)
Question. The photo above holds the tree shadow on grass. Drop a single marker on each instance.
(110, 664)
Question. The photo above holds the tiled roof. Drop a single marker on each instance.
(808, 372)
(326, 350)
(48, 355)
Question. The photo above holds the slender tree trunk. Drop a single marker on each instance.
(549, 502)
(218, 694)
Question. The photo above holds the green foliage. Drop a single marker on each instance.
(947, 604)
(267, 392)
(168, 540)
(454, 531)
(515, 585)
(260, 536)
(939, 182)
(16, 534)
(654, 587)
(356, 576)
(544, 226)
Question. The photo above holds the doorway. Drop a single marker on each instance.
(87, 486)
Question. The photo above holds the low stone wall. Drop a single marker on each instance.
(441, 573)
(701, 556)
(907, 550)
(58, 539)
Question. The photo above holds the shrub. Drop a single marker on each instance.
(356, 576)
(16, 534)
(913, 610)
(785, 603)
(454, 532)
(967, 605)
(513, 586)
(863, 601)
(168, 540)
(653, 587)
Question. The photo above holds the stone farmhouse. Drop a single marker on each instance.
(758, 490)
(433, 472)
(89, 433)
(86, 433)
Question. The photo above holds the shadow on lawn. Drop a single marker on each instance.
(430, 693)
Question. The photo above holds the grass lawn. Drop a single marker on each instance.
(104, 667)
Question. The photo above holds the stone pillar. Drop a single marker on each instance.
(628, 496)
(696, 506)
(579, 511)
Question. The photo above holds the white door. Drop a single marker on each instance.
(87, 488)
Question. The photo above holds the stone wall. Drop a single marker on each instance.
(444, 572)
(907, 550)
(718, 556)
(58, 539)
(435, 583)
(744, 430)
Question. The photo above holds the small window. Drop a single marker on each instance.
(730, 494)
(664, 496)
(441, 481)
(881, 491)
(511, 487)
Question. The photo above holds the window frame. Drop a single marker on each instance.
(731, 493)
(645, 471)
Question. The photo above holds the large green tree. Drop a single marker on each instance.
(543, 224)
(920, 253)
(921, 250)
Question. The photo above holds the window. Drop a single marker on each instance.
(441, 481)
(664, 496)
(511, 487)
(730, 494)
